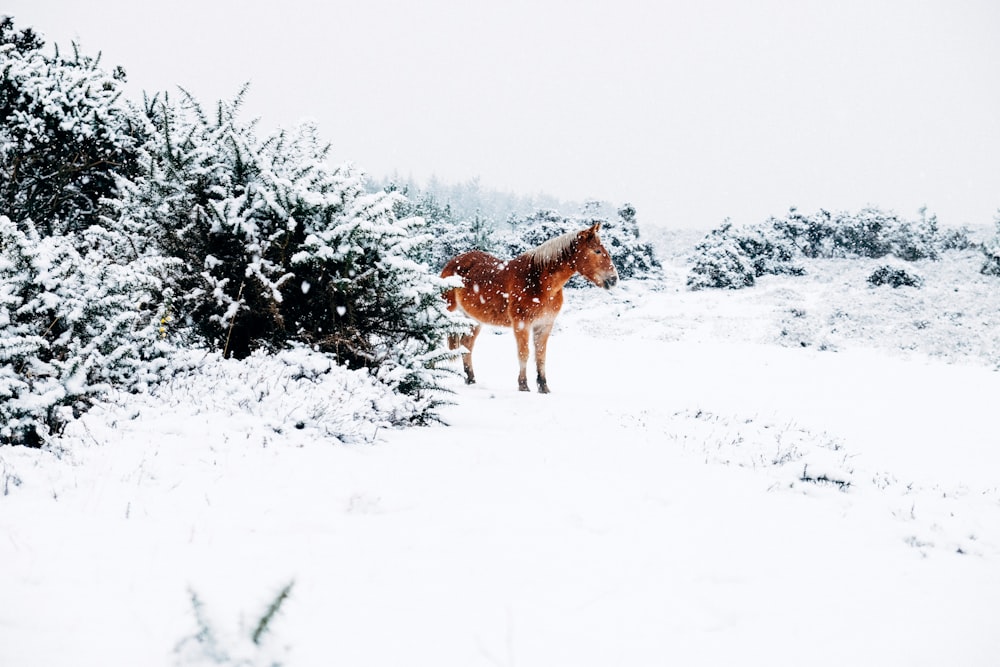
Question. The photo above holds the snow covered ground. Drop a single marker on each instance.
(804, 472)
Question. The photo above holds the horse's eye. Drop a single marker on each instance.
(597, 252)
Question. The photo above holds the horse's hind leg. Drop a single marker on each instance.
(541, 335)
(521, 336)
(467, 341)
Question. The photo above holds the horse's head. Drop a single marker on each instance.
(592, 260)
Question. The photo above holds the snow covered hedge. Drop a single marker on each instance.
(734, 257)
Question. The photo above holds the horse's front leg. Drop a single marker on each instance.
(521, 336)
(542, 330)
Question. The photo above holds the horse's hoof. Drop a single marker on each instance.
(470, 380)
(543, 389)
(523, 387)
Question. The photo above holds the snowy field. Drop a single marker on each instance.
(803, 472)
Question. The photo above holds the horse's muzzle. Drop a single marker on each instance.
(610, 282)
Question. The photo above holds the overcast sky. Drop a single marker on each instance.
(693, 111)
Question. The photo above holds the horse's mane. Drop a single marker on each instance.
(554, 250)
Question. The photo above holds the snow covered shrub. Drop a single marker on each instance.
(864, 234)
(720, 263)
(732, 258)
(917, 239)
(451, 234)
(956, 238)
(277, 247)
(894, 277)
(63, 134)
(71, 325)
(991, 250)
(527, 232)
(632, 257)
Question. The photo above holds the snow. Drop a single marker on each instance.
(792, 473)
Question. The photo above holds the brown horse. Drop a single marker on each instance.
(524, 293)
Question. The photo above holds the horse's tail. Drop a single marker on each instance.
(458, 266)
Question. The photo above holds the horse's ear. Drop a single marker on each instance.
(591, 231)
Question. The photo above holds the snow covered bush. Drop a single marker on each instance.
(64, 134)
(530, 231)
(731, 258)
(894, 277)
(633, 257)
(276, 247)
(720, 263)
(71, 325)
(451, 234)
(871, 232)
(734, 257)
(991, 251)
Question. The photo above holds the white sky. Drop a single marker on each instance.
(693, 111)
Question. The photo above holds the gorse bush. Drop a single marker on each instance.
(732, 257)
(894, 277)
(736, 258)
(72, 324)
(64, 135)
(129, 231)
(277, 247)
(78, 310)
